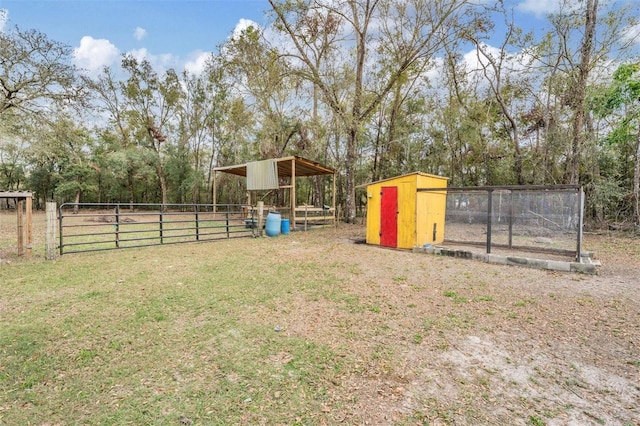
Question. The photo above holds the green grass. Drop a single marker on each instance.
(148, 336)
(455, 296)
(297, 330)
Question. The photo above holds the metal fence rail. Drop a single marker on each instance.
(85, 227)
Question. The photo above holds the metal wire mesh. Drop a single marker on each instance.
(543, 219)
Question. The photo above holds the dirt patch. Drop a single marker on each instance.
(455, 341)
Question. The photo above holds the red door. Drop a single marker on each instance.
(389, 216)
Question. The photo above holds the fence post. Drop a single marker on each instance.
(580, 193)
(197, 225)
(50, 235)
(489, 218)
(511, 219)
(60, 229)
(117, 225)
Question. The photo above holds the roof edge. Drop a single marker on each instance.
(364, 185)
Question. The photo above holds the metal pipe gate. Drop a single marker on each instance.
(85, 227)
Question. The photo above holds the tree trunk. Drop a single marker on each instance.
(163, 183)
(350, 169)
(580, 89)
(636, 184)
(77, 201)
(131, 188)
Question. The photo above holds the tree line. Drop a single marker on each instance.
(372, 88)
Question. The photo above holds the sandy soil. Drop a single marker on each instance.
(453, 341)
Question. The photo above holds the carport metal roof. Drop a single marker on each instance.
(286, 165)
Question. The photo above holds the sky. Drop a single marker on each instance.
(169, 33)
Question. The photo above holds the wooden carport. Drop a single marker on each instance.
(291, 168)
(24, 202)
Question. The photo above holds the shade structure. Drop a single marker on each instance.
(288, 167)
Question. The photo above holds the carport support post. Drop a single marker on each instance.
(50, 235)
(292, 195)
(260, 216)
(489, 214)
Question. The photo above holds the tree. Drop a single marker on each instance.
(118, 152)
(143, 109)
(12, 161)
(580, 88)
(406, 32)
(584, 39)
(267, 83)
(623, 97)
(36, 71)
(153, 101)
(59, 155)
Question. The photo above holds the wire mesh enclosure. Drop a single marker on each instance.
(543, 219)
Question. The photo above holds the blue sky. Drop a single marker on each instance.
(170, 33)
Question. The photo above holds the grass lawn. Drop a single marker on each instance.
(161, 334)
(310, 328)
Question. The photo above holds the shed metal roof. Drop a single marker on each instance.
(364, 185)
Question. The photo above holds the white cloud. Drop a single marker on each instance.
(475, 62)
(540, 8)
(140, 54)
(139, 33)
(4, 17)
(160, 63)
(632, 34)
(95, 54)
(434, 72)
(198, 62)
(242, 25)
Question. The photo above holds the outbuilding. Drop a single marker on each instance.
(406, 211)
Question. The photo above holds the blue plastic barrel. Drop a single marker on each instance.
(272, 227)
(285, 226)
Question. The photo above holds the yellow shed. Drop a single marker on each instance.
(399, 215)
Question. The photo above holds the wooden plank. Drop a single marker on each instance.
(15, 194)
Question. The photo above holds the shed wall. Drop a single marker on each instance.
(406, 210)
(418, 212)
(431, 208)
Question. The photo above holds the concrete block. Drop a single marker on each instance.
(496, 258)
(583, 268)
(556, 265)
